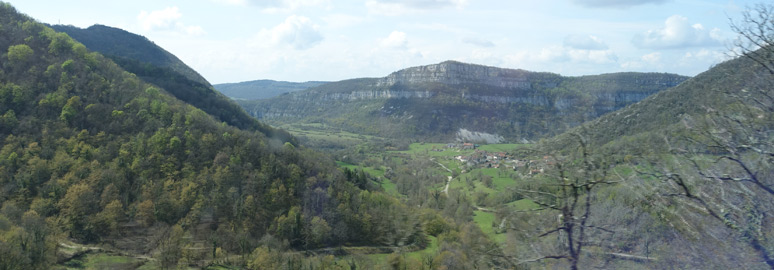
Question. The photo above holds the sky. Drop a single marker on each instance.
(331, 40)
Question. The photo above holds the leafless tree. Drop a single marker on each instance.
(756, 35)
(732, 147)
(570, 193)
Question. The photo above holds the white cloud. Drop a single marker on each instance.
(478, 42)
(273, 6)
(651, 61)
(707, 57)
(342, 20)
(167, 19)
(483, 56)
(297, 32)
(616, 3)
(159, 19)
(396, 40)
(652, 58)
(678, 33)
(400, 7)
(593, 56)
(559, 54)
(191, 30)
(552, 54)
(277, 6)
(587, 42)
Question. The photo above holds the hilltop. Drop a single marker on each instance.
(155, 65)
(262, 89)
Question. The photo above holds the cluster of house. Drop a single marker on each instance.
(463, 146)
(485, 159)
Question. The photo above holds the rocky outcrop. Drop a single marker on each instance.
(456, 73)
(374, 94)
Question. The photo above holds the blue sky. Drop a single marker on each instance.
(303, 40)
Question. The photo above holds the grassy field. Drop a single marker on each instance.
(432, 249)
(523, 205)
(501, 147)
(386, 184)
(486, 221)
(324, 136)
(101, 260)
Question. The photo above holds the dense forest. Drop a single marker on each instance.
(94, 154)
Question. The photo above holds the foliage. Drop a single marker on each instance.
(106, 156)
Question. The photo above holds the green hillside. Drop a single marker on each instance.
(95, 158)
(155, 65)
(697, 158)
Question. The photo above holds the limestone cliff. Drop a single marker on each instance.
(456, 73)
(436, 101)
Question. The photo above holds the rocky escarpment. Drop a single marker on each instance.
(360, 95)
(456, 73)
(438, 100)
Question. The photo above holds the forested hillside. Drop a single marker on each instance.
(153, 64)
(94, 154)
(681, 179)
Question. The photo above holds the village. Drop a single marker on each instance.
(490, 159)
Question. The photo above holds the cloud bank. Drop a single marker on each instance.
(167, 19)
(678, 33)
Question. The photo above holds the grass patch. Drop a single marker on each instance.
(386, 184)
(523, 205)
(103, 261)
(431, 249)
(503, 147)
(485, 221)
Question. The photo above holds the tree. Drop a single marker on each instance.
(19, 55)
(729, 151)
(78, 203)
(756, 35)
(170, 247)
(569, 190)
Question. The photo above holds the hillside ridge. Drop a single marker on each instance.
(437, 101)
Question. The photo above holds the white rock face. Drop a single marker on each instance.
(465, 135)
(455, 73)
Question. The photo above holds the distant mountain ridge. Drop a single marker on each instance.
(437, 101)
(111, 41)
(261, 89)
(155, 65)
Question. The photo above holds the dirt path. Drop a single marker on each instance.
(482, 209)
(448, 181)
(78, 249)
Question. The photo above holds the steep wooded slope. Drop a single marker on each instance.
(151, 63)
(693, 175)
(93, 153)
